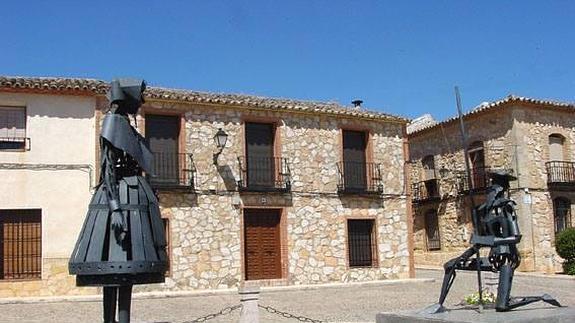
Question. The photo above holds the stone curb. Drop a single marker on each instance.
(228, 291)
(517, 273)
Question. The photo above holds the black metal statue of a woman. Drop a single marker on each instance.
(122, 242)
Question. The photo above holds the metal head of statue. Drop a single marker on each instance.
(126, 95)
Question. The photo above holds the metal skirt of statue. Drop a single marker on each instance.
(140, 258)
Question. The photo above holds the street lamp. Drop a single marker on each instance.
(220, 138)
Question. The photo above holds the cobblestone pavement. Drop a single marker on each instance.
(346, 304)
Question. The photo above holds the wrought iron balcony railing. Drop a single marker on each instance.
(173, 170)
(560, 173)
(14, 143)
(479, 180)
(425, 190)
(264, 174)
(359, 178)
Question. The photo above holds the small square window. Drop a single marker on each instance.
(12, 128)
(361, 243)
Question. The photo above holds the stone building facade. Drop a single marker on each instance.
(532, 138)
(324, 207)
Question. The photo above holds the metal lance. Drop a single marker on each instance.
(474, 216)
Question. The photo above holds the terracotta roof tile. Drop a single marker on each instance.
(510, 99)
(99, 87)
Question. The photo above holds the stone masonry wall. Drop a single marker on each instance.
(453, 210)
(515, 137)
(206, 227)
(55, 282)
(535, 125)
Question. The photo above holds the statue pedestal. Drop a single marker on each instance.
(528, 314)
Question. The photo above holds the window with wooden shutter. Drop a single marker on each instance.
(476, 156)
(162, 134)
(20, 244)
(562, 214)
(354, 159)
(12, 128)
(262, 246)
(428, 167)
(260, 159)
(432, 230)
(361, 243)
(556, 147)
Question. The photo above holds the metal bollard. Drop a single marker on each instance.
(249, 296)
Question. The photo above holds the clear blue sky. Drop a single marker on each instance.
(401, 57)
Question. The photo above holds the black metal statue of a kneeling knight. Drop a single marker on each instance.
(122, 242)
(497, 229)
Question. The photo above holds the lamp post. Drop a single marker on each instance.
(220, 138)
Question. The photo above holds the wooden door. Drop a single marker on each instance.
(262, 244)
(162, 133)
(260, 154)
(354, 159)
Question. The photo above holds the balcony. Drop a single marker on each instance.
(425, 191)
(479, 180)
(173, 171)
(264, 174)
(560, 174)
(14, 143)
(359, 178)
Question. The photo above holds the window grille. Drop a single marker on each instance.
(361, 243)
(432, 230)
(20, 244)
(562, 210)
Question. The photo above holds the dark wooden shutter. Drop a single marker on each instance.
(162, 133)
(20, 244)
(262, 244)
(260, 154)
(361, 243)
(354, 146)
(556, 147)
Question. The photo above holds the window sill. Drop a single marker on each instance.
(363, 267)
(21, 280)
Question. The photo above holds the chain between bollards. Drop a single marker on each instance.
(222, 312)
(300, 318)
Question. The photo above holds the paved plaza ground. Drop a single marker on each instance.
(351, 303)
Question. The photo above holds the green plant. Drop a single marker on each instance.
(473, 299)
(565, 243)
(569, 267)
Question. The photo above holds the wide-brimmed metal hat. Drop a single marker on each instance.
(501, 174)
